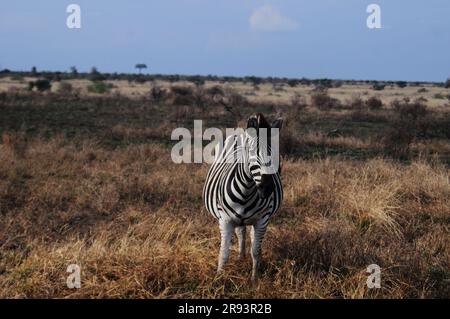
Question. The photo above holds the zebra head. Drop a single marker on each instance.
(263, 155)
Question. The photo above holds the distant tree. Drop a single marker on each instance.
(324, 83)
(255, 80)
(94, 71)
(33, 70)
(95, 75)
(293, 82)
(447, 83)
(140, 66)
(73, 70)
(378, 86)
(401, 84)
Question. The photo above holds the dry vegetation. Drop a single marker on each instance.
(87, 179)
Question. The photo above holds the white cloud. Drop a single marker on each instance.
(269, 19)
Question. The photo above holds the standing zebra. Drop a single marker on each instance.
(241, 189)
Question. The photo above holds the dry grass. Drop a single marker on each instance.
(265, 93)
(135, 223)
(88, 179)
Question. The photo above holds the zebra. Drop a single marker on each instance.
(240, 190)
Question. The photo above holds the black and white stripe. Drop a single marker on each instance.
(239, 192)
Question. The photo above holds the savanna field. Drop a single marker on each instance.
(86, 178)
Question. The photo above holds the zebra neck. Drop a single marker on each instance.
(244, 180)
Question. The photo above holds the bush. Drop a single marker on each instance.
(422, 90)
(447, 84)
(406, 127)
(99, 87)
(357, 103)
(324, 83)
(410, 110)
(298, 102)
(398, 140)
(293, 82)
(181, 95)
(401, 84)
(140, 79)
(374, 103)
(338, 84)
(16, 77)
(378, 86)
(96, 76)
(65, 88)
(157, 93)
(323, 101)
(290, 144)
(41, 85)
(215, 90)
(235, 99)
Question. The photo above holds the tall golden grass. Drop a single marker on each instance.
(135, 224)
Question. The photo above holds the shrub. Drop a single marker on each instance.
(235, 99)
(378, 87)
(447, 83)
(140, 79)
(357, 103)
(323, 101)
(65, 88)
(439, 96)
(398, 140)
(41, 85)
(293, 82)
(407, 126)
(401, 84)
(290, 143)
(157, 93)
(422, 90)
(298, 102)
(324, 83)
(198, 80)
(337, 84)
(16, 77)
(181, 95)
(374, 103)
(96, 76)
(278, 87)
(215, 90)
(99, 87)
(410, 110)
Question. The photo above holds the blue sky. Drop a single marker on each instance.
(286, 38)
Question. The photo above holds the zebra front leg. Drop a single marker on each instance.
(226, 232)
(257, 235)
(241, 234)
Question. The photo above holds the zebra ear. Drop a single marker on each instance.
(278, 123)
(252, 126)
(252, 123)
